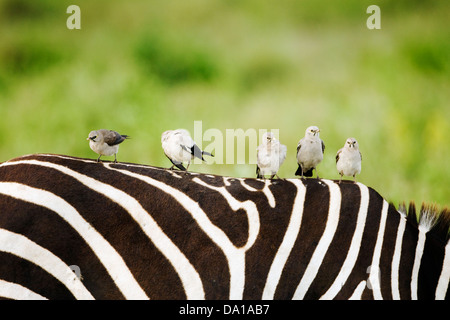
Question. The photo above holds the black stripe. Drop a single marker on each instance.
(387, 251)
(312, 226)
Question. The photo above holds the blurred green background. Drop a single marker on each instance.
(142, 67)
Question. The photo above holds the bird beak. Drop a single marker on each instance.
(88, 138)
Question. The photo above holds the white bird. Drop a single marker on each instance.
(348, 159)
(309, 152)
(105, 142)
(179, 147)
(270, 156)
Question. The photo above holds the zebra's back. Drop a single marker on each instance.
(139, 232)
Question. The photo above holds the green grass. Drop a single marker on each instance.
(143, 67)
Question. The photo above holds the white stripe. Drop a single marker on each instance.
(355, 245)
(444, 278)
(268, 193)
(416, 267)
(188, 275)
(246, 186)
(248, 206)
(288, 242)
(265, 190)
(395, 268)
(23, 247)
(374, 276)
(357, 294)
(235, 256)
(324, 243)
(15, 291)
(190, 278)
(108, 256)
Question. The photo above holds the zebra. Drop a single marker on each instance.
(142, 232)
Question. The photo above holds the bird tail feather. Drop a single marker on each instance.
(299, 171)
(207, 154)
(308, 173)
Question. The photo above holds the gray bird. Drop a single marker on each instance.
(179, 147)
(270, 156)
(105, 142)
(348, 159)
(309, 152)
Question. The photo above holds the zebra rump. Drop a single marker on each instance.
(73, 228)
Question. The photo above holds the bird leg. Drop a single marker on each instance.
(340, 180)
(98, 159)
(187, 167)
(115, 157)
(275, 175)
(354, 178)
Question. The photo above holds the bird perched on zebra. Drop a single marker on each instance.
(309, 152)
(270, 156)
(179, 147)
(348, 159)
(105, 142)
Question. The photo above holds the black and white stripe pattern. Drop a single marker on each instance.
(139, 232)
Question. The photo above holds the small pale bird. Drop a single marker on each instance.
(309, 152)
(348, 159)
(179, 147)
(270, 156)
(105, 142)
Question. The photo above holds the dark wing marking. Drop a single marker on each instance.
(258, 176)
(194, 150)
(179, 165)
(323, 146)
(112, 137)
(337, 155)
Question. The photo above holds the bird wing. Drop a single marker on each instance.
(337, 154)
(258, 176)
(195, 151)
(299, 145)
(112, 137)
(283, 151)
(323, 146)
(360, 155)
(187, 144)
(179, 165)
